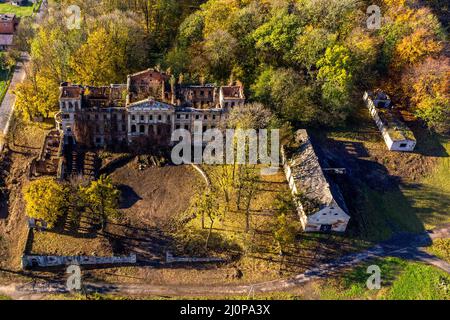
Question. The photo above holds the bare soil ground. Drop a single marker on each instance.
(152, 197)
(24, 144)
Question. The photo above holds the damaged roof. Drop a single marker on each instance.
(309, 177)
(71, 91)
(232, 92)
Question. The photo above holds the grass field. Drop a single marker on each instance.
(400, 280)
(441, 249)
(395, 192)
(19, 11)
(5, 77)
(427, 200)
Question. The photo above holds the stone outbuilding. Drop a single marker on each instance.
(396, 135)
(320, 204)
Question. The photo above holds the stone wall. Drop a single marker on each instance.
(36, 261)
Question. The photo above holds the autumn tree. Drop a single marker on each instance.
(222, 177)
(36, 97)
(409, 34)
(288, 94)
(93, 66)
(414, 47)
(51, 49)
(101, 199)
(426, 85)
(247, 185)
(336, 77)
(44, 200)
(285, 227)
(250, 116)
(275, 37)
(207, 206)
(309, 46)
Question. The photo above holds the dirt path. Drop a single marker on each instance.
(404, 246)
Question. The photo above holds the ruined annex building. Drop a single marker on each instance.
(150, 106)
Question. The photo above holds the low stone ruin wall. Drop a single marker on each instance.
(35, 261)
(171, 259)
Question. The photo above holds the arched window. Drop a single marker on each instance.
(141, 128)
(133, 128)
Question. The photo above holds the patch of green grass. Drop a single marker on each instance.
(441, 249)
(3, 297)
(386, 213)
(19, 11)
(400, 280)
(431, 199)
(421, 282)
(411, 206)
(5, 77)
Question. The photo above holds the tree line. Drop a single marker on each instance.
(310, 61)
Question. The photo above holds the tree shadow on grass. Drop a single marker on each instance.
(431, 204)
(375, 199)
(428, 143)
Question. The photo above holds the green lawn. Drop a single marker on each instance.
(4, 83)
(20, 11)
(400, 280)
(414, 206)
(432, 199)
(3, 79)
(441, 249)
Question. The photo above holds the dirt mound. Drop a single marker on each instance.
(154, 195)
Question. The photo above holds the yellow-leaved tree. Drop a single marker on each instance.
(416, 46)
(44, 200)
(99, 61)
(101, 199)
(36, 96)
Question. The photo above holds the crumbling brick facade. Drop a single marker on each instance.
(148, 106)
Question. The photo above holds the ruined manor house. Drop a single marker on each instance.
(150, 106)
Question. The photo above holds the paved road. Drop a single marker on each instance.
(405, 246)
(7, 106)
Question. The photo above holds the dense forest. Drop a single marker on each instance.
(307, 60)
